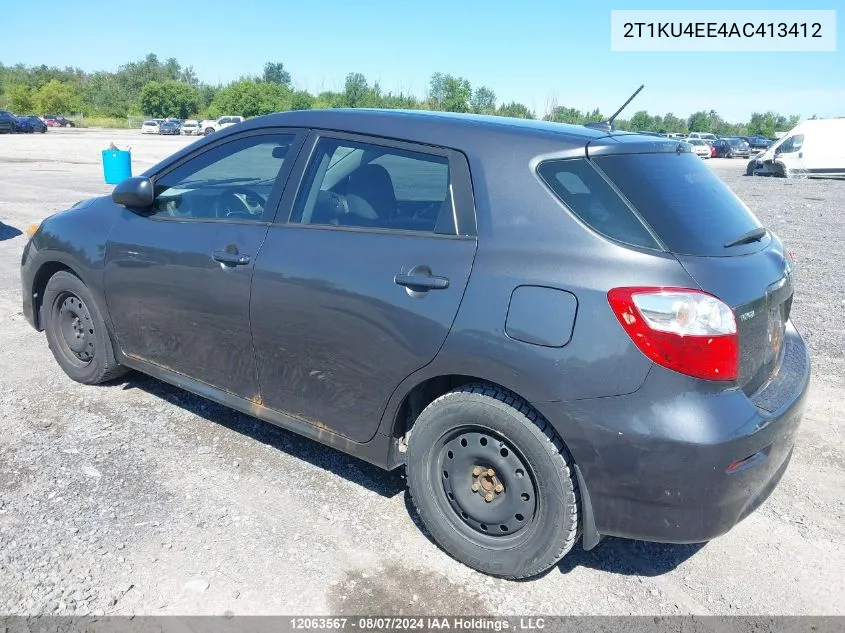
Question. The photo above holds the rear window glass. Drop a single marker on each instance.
(581, 188)
(687, 206)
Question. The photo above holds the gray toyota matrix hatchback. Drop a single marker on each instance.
(560, 332)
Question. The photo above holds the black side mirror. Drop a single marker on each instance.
(134, 193)
(280, 151)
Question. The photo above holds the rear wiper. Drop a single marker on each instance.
(754, 235)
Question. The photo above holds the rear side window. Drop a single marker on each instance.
(581, 188)
(686, 205)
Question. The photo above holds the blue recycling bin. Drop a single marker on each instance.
(117, 165)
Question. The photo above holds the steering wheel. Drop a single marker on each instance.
(238, 203)
(329, 209)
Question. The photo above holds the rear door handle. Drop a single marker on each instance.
(232, 259)
(421, 283)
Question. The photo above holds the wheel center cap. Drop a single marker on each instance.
(486, 483)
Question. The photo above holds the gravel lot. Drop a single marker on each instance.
(141, 498)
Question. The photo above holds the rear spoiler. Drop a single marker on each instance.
(632, 143)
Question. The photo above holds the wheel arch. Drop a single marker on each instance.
(39, 283)
(414, 395)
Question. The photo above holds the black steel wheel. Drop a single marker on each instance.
(486, 483)
(493, 482)
(73, 328)
(76, 332)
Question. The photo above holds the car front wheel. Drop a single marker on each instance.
(76, 332)
(492, 482)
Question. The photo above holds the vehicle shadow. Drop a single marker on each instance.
(386, 484)
(8, 232)
(613, 555)
(629, 558)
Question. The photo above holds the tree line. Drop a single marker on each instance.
(151, 87)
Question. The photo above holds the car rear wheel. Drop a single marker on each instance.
(76, 332)
(209, 130)
(492, 482)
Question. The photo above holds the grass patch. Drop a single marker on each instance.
(102, 121)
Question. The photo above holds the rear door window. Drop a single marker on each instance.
(363, 185)
(686, 205)
(589, 196)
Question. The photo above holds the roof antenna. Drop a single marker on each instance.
(607, 126)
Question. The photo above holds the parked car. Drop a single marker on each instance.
(555, 343)
(56, 120)
(169, 127)
(22, 126)
(211, 126)
(191, 127)
(37, 124)
(815, 147)
(757, 142)
(721, 149)
(7, 122)
(701, 148)
(150, 127)
(704, 136)
(736, 147)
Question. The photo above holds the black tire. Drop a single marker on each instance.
(76, 332)
(478, 426)
(209, 130)
(749, 168)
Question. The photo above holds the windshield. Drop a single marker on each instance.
(687, 205)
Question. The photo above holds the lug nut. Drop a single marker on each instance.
(490, 472)
(476, 471)
(488, 497)
(475, 487)
(499, 488)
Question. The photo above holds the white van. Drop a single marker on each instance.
(815, 147)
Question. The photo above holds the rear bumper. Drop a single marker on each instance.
(680, 461)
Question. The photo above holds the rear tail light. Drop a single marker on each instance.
(688, 331)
